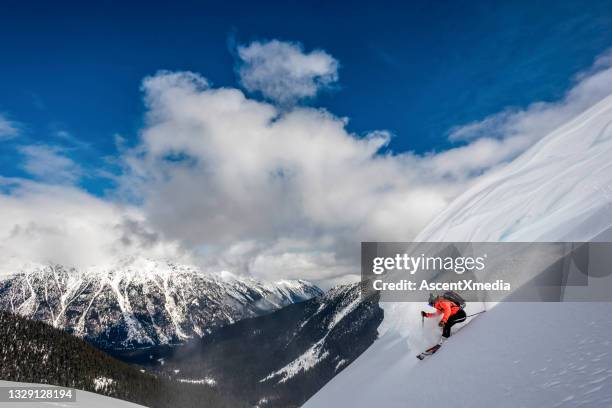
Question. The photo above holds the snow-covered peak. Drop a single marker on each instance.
(142, 269)
(141, 301)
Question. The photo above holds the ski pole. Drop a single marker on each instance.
(475, 314)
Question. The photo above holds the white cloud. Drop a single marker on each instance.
(47, 163)
(8, 129)
(501, 137)
(283, 72)
(216, 169)
(52, 223)
(274, 192)
(220, 171)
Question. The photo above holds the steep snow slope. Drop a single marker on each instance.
(559, 190)
(516, 354)
(84, 399)
(142, 302)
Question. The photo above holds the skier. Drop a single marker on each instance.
(450, 311)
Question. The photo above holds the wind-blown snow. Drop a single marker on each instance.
(529, 355)
(559, 190)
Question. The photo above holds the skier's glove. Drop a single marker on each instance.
(423, 314)
(442, 323)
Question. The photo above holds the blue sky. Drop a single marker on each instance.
(414, 69)
(212, 133)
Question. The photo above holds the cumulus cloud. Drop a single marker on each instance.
(49, 164)
(257, 188)
(291, 193)
(283, 72)
(45, 223)
(216, 169)
(8, 129)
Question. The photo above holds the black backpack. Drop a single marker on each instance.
(455, 298)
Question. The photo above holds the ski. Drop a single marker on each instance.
(430, 351)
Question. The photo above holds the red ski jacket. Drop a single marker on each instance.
(444, 306)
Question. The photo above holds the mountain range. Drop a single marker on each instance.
(277, 360)
(142, 302)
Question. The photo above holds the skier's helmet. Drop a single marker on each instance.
(432, 299)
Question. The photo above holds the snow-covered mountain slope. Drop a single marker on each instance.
(282, 358)
(142, 302)
(528, 355)
(518, 355)
(559, 190)
(84, 399)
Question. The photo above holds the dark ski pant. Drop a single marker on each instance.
(454, 319)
